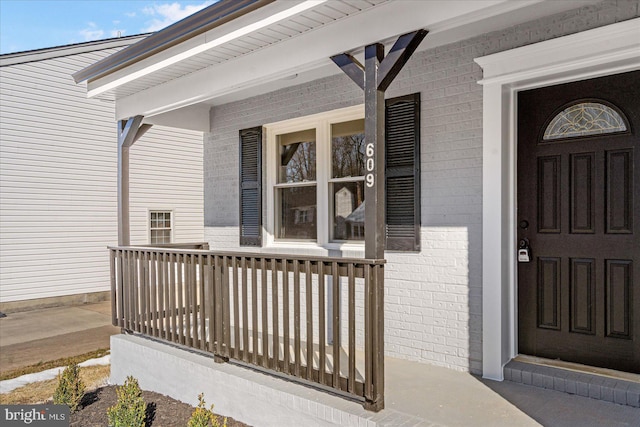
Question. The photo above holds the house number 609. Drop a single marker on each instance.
(370, 165)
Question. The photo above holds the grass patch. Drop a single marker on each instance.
(42, 391)
(43, 366)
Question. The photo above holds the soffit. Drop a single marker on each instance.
(295, 26)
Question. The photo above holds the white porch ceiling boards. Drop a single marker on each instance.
(300, 45)
(324, 12)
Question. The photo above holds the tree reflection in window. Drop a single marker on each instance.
(298, 157)
(584, 119)
(296, 189)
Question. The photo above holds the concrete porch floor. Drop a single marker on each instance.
(416, 394)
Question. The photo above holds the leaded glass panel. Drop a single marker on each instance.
(584, 119)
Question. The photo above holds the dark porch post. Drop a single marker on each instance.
(374, 78)
(374, 236)
(129, 131)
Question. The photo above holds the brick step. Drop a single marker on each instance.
(611, 386)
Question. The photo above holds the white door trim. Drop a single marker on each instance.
(602, 51)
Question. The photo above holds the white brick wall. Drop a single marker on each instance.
(433, 305)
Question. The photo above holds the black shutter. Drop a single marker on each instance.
(403, 173)
(251, 187)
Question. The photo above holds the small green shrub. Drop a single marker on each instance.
(130, 410)
(70, 388)
(203, 417)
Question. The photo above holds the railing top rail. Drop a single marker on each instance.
(260, 255)
(185, 245)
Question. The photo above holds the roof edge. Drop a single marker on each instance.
(44, 53)
(191, 26)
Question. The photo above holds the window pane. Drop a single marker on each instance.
(160, 227)
(347, 149)
(297, 156)
(160, 236)
(297, 218)
(348, 210)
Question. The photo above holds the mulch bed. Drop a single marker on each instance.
(162, 411)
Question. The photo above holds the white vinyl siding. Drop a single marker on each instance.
(58, 176)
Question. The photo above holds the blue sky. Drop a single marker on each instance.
(36, 24)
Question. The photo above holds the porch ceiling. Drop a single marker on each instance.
(277, 45)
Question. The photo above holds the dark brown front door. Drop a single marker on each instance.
(579, 211)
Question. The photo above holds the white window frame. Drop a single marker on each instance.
(322, 123)
(150, 228)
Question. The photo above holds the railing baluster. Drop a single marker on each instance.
(158, 297)
(309, 309)
(202, 320)
(352, 327)
(336, 325)
(286, 338)
(134, 292)
(218, 304)
(210, 301)
(145, 289)
(322, 326)
(160, 262)
(368, 334)
(245, 309)
(296, 317)
(140, 307)
(120, 285)
(226, 308)
(181, 296)
(254, 311)
(131, 302)
(153, 286)
(265, 313)
(167, 308)
(193, 302)
(187, 300)
(172, 297)
(274, 315)
(236, 309)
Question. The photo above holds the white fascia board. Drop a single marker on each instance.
(600, 45)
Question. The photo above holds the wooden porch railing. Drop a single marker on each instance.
(316, 320)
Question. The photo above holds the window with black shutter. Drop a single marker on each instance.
(297, 200)
(251, 187)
